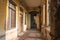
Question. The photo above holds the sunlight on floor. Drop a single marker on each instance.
(31, 35)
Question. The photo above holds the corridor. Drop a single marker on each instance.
(29, 19)
(31, 35)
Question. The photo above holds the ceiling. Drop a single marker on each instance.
(32, 3)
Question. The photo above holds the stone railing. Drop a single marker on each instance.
(46, 33)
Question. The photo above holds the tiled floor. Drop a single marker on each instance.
(31, 35)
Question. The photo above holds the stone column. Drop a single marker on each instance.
(43, 24)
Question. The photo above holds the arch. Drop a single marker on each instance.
(33, 19)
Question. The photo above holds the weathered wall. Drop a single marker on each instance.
(12, 34)
(28, 21)
(3, 4)
(37, 21)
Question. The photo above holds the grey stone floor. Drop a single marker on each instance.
(31, 35)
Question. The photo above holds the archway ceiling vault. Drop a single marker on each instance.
(32, 3)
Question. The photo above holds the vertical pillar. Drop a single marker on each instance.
(43, 23)
(23, 21)
(47, 14)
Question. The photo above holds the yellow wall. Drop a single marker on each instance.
(17, 12)
(10, 33)
(3, 11)
(37, 21)
(3, 4)
(28, 21)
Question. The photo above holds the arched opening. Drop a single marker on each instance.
(33, 19)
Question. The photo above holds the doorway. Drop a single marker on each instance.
(33, 20)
